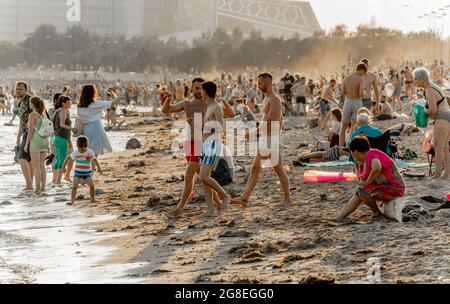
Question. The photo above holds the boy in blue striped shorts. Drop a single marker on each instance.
(83, 158)
(212, 150)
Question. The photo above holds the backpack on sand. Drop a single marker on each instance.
(46, 129)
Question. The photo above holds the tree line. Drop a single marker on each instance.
(78, 49)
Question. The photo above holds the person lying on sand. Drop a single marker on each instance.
(405, 128)
(363, 125)
(379, 179)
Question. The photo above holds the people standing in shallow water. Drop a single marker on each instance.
(90, 113)
(83, 158)
(36, 145)
(63, 132)
(439, 110)
(24, 111)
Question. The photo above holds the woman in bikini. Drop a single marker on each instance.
(439, 110)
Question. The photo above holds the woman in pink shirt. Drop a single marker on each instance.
(378, 175)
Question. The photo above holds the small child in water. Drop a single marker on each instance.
(83, 158)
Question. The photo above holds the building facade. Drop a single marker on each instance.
(19, 18)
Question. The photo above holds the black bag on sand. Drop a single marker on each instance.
(222, 173)
(381, 142)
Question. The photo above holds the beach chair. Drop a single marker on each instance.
(428, 148)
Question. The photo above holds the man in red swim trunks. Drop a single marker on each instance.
(195, 110)
(192, 149)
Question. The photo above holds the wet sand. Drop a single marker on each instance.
(265, 242)
(41, 239)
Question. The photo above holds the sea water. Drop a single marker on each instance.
(41, 239)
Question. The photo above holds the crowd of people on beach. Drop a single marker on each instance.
(342, 105)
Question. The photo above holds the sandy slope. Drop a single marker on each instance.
(266, 242)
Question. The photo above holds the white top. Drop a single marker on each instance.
(251, 93)
(299, 89)
(94, 112)
(335, 127)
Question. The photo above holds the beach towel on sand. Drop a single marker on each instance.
(329, 177)
(339, 163)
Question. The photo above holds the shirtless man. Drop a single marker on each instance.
(192, 145)
(353, 91)
(370, 82)
(327, 97)
(23, 157)
(409, 83)
(179, 91)
(272, 115)
(384, 110)
(212, 148)
(192, 148)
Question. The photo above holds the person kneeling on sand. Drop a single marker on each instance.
(83, 158)
(379, 179)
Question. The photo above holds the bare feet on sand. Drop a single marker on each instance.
(286, 201)
(209, 213)
(176, 213)
(239, 201)
(226, 203)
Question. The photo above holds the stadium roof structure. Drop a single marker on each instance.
(183, 18)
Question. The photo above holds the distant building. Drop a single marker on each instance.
(18, 18)
(182, 18)
(273, 17)
(281, 18)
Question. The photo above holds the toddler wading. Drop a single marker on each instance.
(83, 158)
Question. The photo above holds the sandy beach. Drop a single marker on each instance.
(265, 242)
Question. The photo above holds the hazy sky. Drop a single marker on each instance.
(399, 14)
